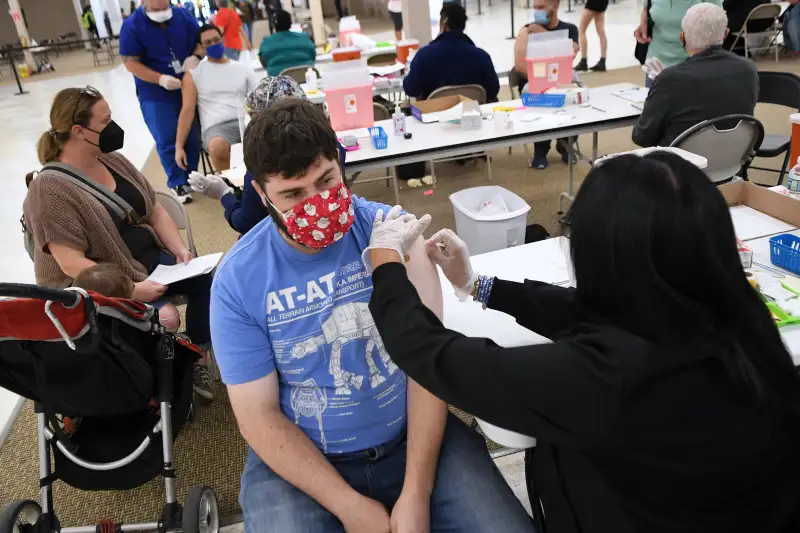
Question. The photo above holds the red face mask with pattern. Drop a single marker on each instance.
(322, 219)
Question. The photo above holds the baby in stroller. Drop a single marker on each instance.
(110, 363)
(109, 280)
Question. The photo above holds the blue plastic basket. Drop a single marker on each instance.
(784, 251)
(379, 138)
(543, 100)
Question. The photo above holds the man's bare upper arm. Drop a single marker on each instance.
(189, 92)
(423, 275)
(252, 401)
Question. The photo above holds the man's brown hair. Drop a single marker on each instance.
(106, 279)
(286, 139)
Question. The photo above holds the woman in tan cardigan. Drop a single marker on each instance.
(73, 230)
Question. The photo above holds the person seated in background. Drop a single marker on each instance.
(73, 230)
(545, 18)
(737, 12)
(451, 59)
(245, 210)
(339, 439)
(285, 48)
(711, 83)
(109, 280)
(217, 87)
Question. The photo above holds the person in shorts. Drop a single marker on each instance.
(396, 13)
(216, 88)
(594, 10)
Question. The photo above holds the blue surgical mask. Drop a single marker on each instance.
(215, 51)
(540, 16)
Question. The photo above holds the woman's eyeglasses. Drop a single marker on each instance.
(88, 90)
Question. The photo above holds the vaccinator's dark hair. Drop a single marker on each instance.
(283, 21)
(654, 253)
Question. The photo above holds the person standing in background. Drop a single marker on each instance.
(188, 5)
(396, 13)
(593, 10)
(233, 32)
(88, 22)
(157, 45)
(247, 17)
(665, 43)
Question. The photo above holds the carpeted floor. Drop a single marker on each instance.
(210, 451)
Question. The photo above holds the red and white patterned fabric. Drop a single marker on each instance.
(322, 219)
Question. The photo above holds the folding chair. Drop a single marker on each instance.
(298, 73)
(778, 88)
(762, 12)
(474, 92)
(729, 150)
(180, 217)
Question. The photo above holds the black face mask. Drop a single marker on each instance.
(111, 138)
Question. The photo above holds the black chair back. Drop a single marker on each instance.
(779, 88)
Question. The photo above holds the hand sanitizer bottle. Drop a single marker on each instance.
(399, 120)
(311, 79)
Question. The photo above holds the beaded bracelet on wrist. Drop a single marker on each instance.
(483, 289)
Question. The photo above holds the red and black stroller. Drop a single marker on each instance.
(111, 391)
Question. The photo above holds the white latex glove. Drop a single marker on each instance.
(190, 63)
(653, 67)
(170, 83)
(211, 186)
(394, 232)
(448, 251)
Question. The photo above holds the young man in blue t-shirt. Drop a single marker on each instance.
(157, 45)
(339, 438)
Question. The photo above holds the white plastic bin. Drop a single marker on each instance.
(486, 233)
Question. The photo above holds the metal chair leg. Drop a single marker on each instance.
(784, 167)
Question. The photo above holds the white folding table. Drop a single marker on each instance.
(439, 141)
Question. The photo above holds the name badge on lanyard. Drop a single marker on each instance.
(177, 66)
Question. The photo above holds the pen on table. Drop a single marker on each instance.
(598, 109)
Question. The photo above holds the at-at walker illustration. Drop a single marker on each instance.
(311, 401)
(348, 322)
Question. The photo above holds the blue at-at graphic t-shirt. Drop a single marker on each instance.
(274, 308)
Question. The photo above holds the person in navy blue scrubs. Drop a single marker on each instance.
(158, 44)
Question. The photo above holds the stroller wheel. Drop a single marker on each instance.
(200, 511)
(20, 516)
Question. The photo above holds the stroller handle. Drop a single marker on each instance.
(22, 290)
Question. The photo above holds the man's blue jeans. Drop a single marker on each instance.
(470, 494)
(161, 118)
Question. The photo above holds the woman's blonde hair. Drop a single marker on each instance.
(72, 106)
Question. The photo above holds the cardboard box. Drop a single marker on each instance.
(761, 199)
(426, 110)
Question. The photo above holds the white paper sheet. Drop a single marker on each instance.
(196, 267)
(637, 95)
(542, 120)
(751, 224)
(385, 71)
